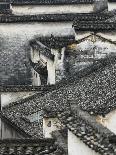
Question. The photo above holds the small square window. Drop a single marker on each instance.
(49, 124)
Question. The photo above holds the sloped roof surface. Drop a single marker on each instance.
(85, 127)
(51, 2)
(28, 146)
(92, 90)
(94, 26)
(55, 17)
(57, 41)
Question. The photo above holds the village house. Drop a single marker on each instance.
(73, 107)
(17, 31)
(57, 77)
(51, 51)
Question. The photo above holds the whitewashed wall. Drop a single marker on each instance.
(35, 55)
(27, 31)
(51, 72)
(50, 67)
(59, 63)
(111, 6)
(47, 130)
(101, 47)
(109, 35)
(108, 121)
(7, 131)
(82, 34)
(46, 9)
(7, 98)
(77, 147)
(36, 81)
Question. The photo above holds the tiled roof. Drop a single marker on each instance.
(85, 127)
(6, 121)
(55, 17)
(28, 146)
(42, 49)
(51, 2)
(22, 88)
(94, 26)
(111, 1)
(19, 118)
(57, 41)
(92, 90)
(61, 138)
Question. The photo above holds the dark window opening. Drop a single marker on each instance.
(49, 124)
(36, 75)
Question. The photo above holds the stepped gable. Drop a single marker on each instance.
(56, 42)
(55, 17)
(50, 2)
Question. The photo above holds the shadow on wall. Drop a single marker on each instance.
(7, 131)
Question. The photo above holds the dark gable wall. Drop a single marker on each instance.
(14, 66)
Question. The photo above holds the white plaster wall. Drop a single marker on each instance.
(101, 48)
(35, 55)
(82, 34)
(59, 63)
(111, 6)
(28, 30)
(51, 72)
(46, 9)
(108, 121)
(7, 98)
(109, 35)
(55, 125)
(36, 81)
(8, 132)
(50, 68)
(77, 147)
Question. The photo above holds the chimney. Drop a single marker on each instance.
(101, 6)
